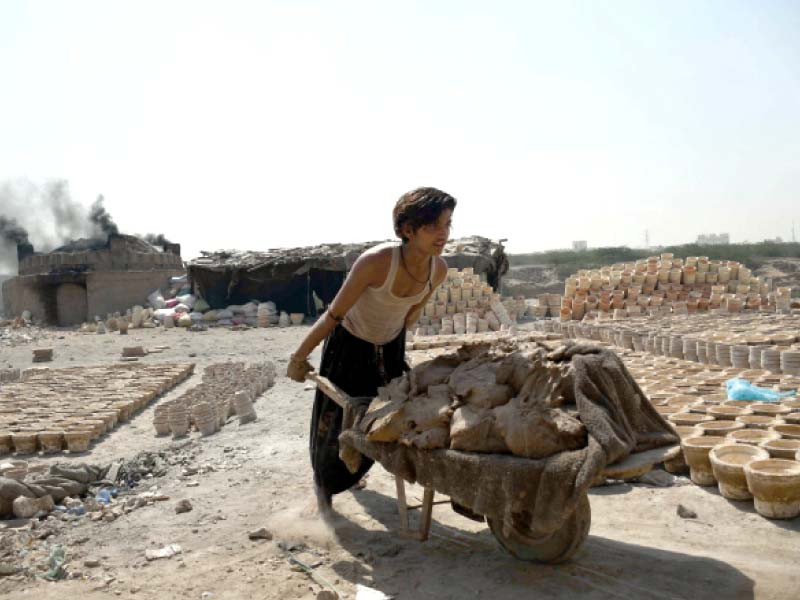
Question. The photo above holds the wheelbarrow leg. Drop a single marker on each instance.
(421, 533)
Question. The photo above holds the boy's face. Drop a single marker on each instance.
(431, 238)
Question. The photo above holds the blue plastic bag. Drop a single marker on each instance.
(741, 389)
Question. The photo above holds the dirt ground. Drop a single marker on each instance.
(258, 475)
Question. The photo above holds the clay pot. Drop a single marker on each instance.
(727, 413)
(51, 441)
(753, 437)
(727, 463)
(78, 440)
(792, 418)
(738, 403)
(721, 428)
(24, 442)
(758, 421)
(666, 411)
(688, 431)
(768, 409)
(780, 448)
(790, 432)
(695, 453)
(775, 485)
(5, 444)
(689, 418)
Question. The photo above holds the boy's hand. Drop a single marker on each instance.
(298, 369)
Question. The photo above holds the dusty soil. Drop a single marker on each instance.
(638, 547)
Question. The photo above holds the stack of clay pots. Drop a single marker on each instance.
(178, 415)
(667, 285)
(204, 418)
(225, 388)
(463, 294)
(790, 362)
(754, 340)
(243, 405)
(161, 420)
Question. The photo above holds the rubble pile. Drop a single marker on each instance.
(49, 410)
(481, 399)
(751, 340)
(668, 285)
(227, 389)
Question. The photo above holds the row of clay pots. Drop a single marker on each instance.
(62, 426)
(226, 389)
(745, 471)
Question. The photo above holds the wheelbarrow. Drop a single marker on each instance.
(513, 530)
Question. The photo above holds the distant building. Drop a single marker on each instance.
(777, 240)
(579, 245)
(714, 239)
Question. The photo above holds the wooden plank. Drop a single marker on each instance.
(330, 389)
(640, 463)
(427, 513)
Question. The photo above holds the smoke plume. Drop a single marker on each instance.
(102, 219)
(156, 239)
(11, 232)
(44, 215)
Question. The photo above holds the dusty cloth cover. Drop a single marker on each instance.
(617, 415)
(62, 481)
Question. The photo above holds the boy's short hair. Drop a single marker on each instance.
(419, 207)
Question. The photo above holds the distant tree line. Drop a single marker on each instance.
(567, 262)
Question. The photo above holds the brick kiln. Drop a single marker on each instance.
(74, 283)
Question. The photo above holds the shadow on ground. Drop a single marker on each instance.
(459, 563)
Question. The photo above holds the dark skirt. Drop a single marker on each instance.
(359, 368)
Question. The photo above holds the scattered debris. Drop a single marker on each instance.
(260, 534)
(183, 506)
(657, 478)
(166, 552)
(685, 512)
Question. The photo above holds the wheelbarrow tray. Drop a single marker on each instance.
(501, 487)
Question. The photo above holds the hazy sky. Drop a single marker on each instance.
(270, 124)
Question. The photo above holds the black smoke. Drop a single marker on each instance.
(11, 232)
(101, 218)
(156, 239)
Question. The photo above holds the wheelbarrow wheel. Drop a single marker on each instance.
(557, 548)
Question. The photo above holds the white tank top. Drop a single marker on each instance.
(378, 316)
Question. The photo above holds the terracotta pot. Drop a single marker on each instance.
(24, 442)
(769, 409)
(758, 421)
(721, 428)
(51, 441)
(753, 437)
(727, 413)
(5, 443)
(790, 432)
(780, 448)
(775, 485)
(727, 463)
(689, 418)
(695, 453)
(78, 440)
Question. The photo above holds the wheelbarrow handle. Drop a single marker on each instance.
(331, 390)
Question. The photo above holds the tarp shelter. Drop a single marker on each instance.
(291, 277)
